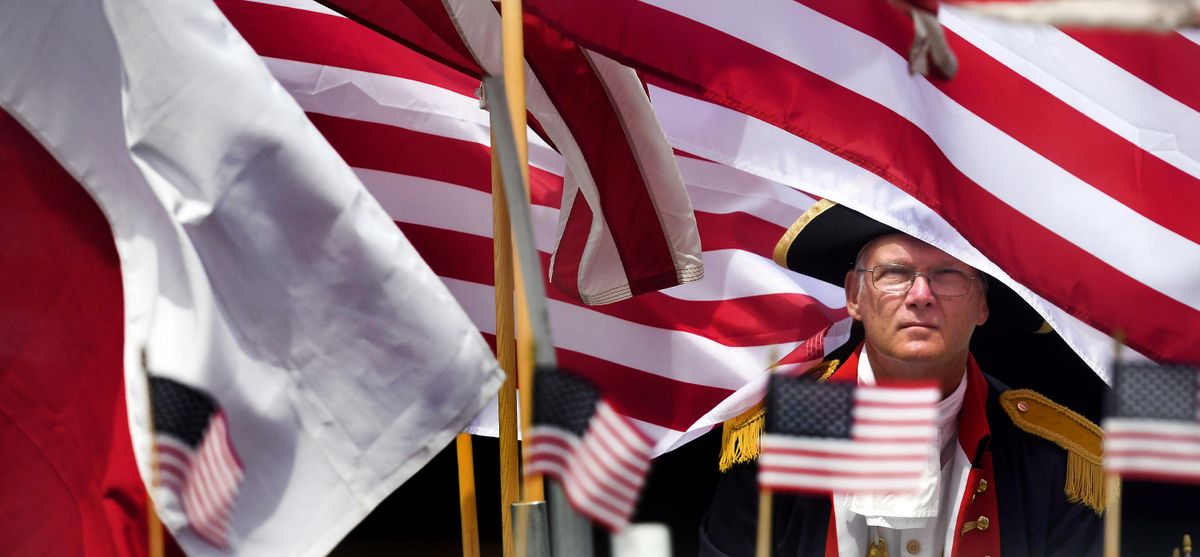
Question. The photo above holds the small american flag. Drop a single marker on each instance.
(196, 459)
(842, 438)
(600, 457)
(1152, 430)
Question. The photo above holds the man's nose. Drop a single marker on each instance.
(921, 292)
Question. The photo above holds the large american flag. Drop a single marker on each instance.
(674, 362)
(196, 460)
(1152, 430)
(1064, 162)
(600, 457)
(832, 437)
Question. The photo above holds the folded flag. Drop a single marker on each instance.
(196, 460)
(597, 453)
(838, 437)
(1152, 430)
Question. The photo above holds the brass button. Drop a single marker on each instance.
(982, 487)
(982, 523)
(913, 547)
(1022, 406)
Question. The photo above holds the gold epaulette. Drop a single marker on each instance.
(740, 434)
(1082, 439)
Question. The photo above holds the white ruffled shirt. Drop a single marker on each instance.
(912, 521)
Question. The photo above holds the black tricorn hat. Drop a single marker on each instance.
(1015, 345)
(826, 239)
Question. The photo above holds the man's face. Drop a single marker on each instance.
(917, 326)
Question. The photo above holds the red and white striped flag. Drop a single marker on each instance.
(1064, 163)
(1153, 427)
(830, 437)
(626, 225)
(412, 130)
(197, 462)
(599, 456)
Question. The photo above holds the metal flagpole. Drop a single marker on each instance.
(517, 197)
(536, 321)
(571, 534)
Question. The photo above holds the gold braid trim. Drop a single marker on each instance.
(1082, 439)
(781, 247)
(740, 435)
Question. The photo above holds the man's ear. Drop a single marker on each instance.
(851, 285)
(983, 312)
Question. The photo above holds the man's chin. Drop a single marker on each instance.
(921, 352)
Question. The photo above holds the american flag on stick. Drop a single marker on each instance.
(1153, 426)
(843, 438)
(600, 457)
(196, 459)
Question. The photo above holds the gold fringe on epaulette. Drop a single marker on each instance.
(1086, 482)
(739, 437)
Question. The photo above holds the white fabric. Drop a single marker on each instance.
(255, 265)
(903, 518)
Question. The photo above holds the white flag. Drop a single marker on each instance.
(257, 272)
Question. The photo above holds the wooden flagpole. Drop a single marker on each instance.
(514, 88)
(1112, 516)
(468, 516)
(510, 476)
(1112, 482)
(762, 538)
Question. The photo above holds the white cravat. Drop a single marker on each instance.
(911, 516)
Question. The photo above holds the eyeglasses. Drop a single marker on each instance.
(898, 279)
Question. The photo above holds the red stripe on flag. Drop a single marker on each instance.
(1168, 62)
(377, 146)
(301, 35)
(569, 254)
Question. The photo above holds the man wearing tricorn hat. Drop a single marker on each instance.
(1014, 473)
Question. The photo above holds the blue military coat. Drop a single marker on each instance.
(1014, 503)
